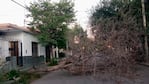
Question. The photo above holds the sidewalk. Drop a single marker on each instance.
(64, 77)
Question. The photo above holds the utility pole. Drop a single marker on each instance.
(145, 28)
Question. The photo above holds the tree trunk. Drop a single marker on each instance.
(145, 28)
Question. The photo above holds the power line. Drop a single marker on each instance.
(18, 3)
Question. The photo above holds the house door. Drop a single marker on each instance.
(14, 50)
(34, 49)
(48, 52)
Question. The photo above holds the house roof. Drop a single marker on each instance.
(9, 26)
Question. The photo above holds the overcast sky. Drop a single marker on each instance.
(10, 12)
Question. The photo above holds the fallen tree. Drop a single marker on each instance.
(115, 51)
(116, 48)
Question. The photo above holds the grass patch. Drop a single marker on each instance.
(12, 74)
(19, 77)
(26, 78)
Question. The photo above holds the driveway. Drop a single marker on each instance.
(64, 77)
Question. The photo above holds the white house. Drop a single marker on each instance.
(18, 41)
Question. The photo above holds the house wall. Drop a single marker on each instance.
(3, 50)
(42, 51)
(27, 45)
(13, 36)
(22, 37)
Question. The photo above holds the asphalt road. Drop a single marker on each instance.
(64, 77)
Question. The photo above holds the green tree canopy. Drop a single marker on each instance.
(116, 9)
(52, 20)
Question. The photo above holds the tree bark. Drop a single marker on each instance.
(145, 28)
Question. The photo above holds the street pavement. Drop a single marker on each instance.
(64, 77)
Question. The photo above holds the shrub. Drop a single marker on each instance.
(26, 78)
(18, 77)
(53, 62)
(12, 74)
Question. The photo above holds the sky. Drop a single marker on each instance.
(11, 12)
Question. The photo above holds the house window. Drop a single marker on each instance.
(34, 49)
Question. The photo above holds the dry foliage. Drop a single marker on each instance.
(116, 47)
(114, 51)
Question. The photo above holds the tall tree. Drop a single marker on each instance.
(145, 28)
(74, 33)
(115, 8)
(52, 20)
(117, 25)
